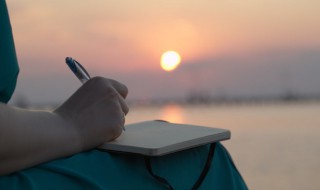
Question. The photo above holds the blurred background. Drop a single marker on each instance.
(249, 66)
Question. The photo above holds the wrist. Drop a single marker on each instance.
(73, 134)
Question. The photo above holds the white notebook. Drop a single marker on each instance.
(156, 138)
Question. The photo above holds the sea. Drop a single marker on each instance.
(274, 145)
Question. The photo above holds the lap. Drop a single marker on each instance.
(101, 170)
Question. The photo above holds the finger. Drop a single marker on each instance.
(121, 115)
(105, 84)
(120, 88)
(123, 105)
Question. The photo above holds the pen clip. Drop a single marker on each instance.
(82, 68)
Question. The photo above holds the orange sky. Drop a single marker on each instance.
(121, 36)
(137, 32)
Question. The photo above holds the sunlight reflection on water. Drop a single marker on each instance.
(172, 113)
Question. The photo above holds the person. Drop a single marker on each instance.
(56, 149)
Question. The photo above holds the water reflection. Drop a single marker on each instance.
(269, 141)
(172, 113)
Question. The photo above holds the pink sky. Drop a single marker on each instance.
(121, 39)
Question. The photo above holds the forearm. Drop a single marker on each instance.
(91, 116)
(28, 138)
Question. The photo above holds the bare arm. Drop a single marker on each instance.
(91, 116)
(31, 137)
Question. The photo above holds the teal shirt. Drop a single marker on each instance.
(8, 62)
(97, 170)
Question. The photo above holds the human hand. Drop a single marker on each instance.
(96, 111)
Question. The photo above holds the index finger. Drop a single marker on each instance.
(120, 88)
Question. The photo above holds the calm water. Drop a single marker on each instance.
(275, 146)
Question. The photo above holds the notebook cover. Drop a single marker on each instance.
(156, 138)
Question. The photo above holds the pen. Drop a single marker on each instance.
(78, 70)
(81, 73)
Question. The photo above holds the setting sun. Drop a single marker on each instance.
(170, 60)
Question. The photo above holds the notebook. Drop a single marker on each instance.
(156, 138)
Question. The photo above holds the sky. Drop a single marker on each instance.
(228, 48)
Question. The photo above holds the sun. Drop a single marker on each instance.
(170, 60)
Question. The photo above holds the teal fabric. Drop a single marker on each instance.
(8, 61)
(97, 170)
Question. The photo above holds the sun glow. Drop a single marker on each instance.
(170, 60)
